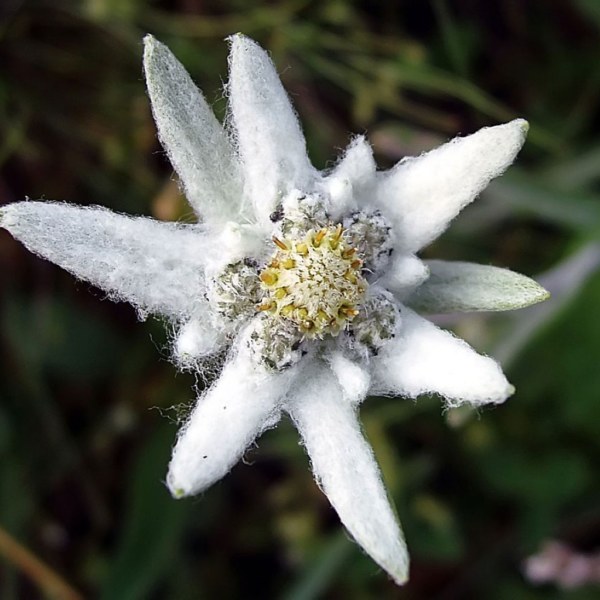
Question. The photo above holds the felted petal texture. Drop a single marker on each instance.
(243, 402)
(196, 339)
(404, 273)
(422, 195)
(344, 467)
(423, 359)
(270, 141)
(461, 287)
(353, 378)
(350, 181)
(194, 140)
(158, 267)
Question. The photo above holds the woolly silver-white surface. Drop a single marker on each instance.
(269, 138)
(196, 339)
(350, 183)
(462, 287)
(235, 181)
(157, 267)
(404, 273)
(423, 359)
(344, 467)
(243, 402)
(352, 377)
(421, 195)
(194, 140)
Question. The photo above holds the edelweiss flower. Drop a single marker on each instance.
(304, 277)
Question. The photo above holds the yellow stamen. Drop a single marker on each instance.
(287, 310)
(350, 276)
(280, 293)
(288, 263)
(279, 243)
(319, 238)
(356, 263)
(266, 306)
(335, 237)
(348, 311)
(322, 315)
(302, 249)
(302, 313)
(348, 253)
(268, 277)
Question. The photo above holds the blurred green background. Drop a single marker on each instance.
(86, 390)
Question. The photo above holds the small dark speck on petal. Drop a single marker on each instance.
(205, 456)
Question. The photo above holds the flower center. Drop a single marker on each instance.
(314, 281)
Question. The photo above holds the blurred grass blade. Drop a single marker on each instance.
(451, 37)
(153, 526)
(577, 172)
(322, 570)
(526, 194)
(564, 282)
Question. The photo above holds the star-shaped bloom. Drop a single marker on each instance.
(305, 279)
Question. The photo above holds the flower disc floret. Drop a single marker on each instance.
(314, 281)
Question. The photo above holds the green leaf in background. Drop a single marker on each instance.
(55, 336)
(154, 527)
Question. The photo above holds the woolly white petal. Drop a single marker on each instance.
(422, 195)
(404, 273)
(239, 406)
(353, 379)
(461, 286)
(157, 267)
(191, 135)
(350, 178)
(424, 359)
(271, 143)
(346, 470)
(196, 339)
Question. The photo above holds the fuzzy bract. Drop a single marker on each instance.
(302, 279)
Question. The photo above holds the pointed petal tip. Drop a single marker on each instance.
(7, 214)
(150, 43)
(516, 130)
(151, 49)
(400, 576)
(177, 489)
(239, 43)
(397, 566)
(523, 124)
(178, 493)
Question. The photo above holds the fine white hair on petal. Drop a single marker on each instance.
(352, 377)
(421, 195)
(158, 267)
(423, 359)
(461, 287)
(193, 138)
(243, 402)
(270, 141)
(351, 177)
(405, 272)
(196, 339)
(237, 241)
(345, 468)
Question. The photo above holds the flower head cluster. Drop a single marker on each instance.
(305, 279)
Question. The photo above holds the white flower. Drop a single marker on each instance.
(304, 277)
